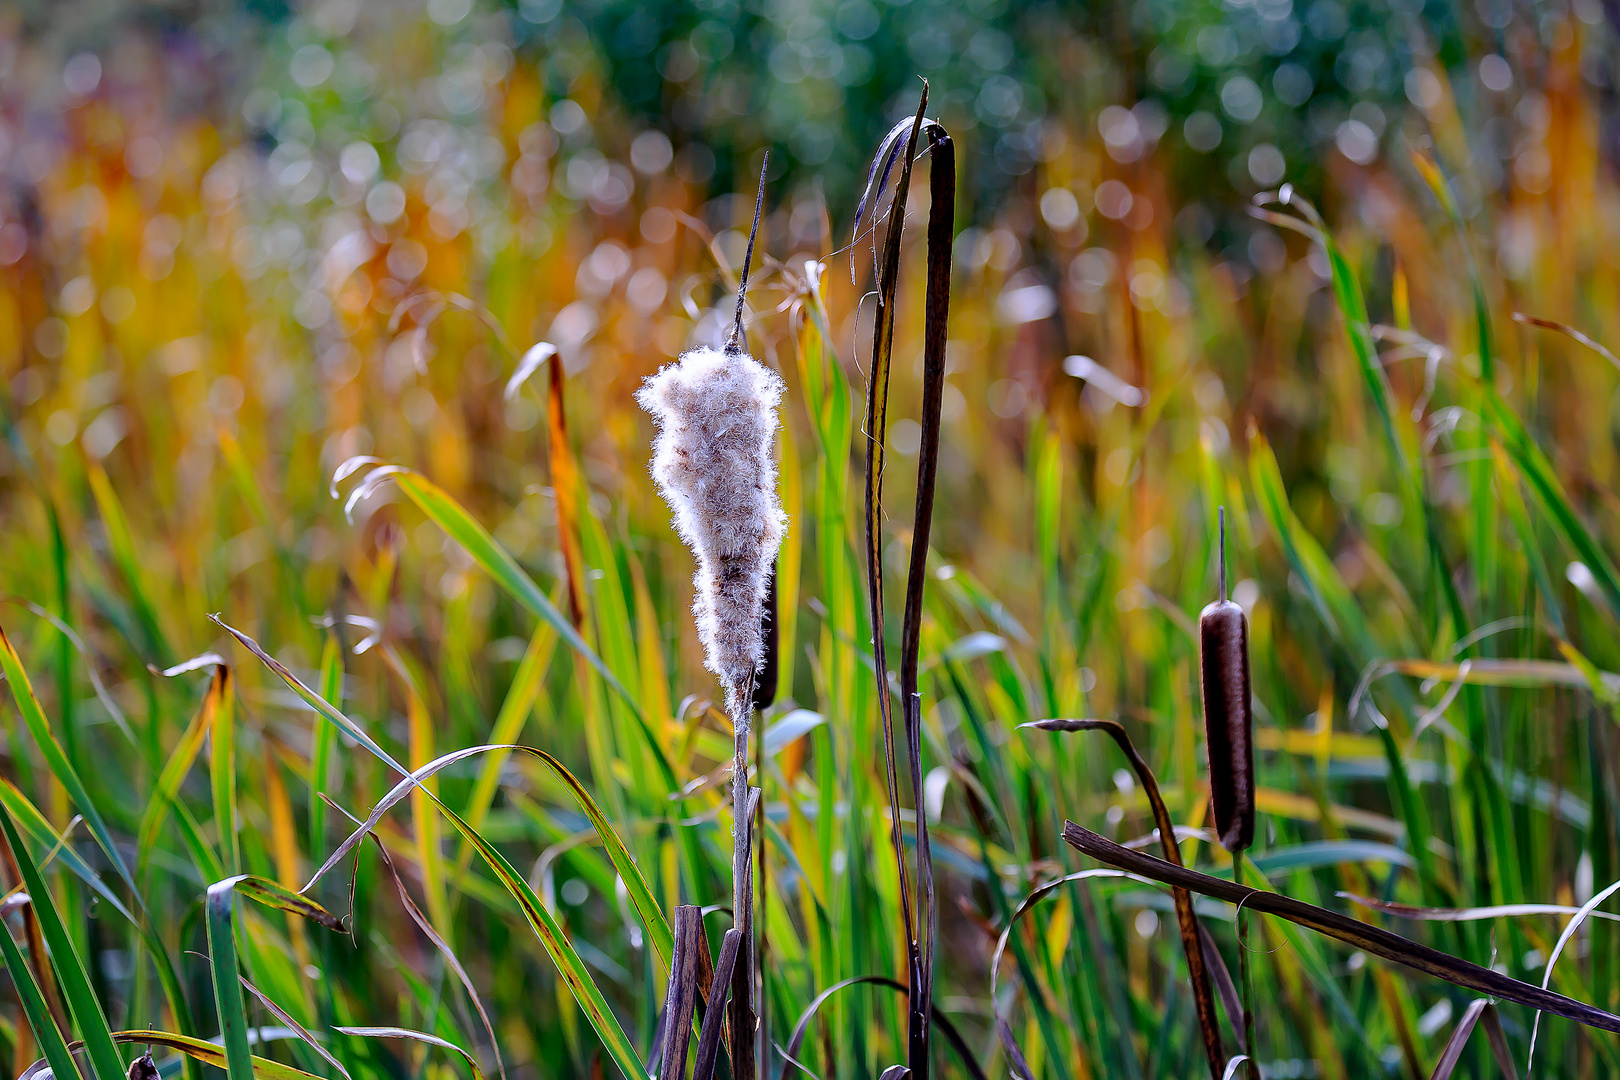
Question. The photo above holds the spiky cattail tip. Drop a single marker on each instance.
(716, 416)
(1223, 636)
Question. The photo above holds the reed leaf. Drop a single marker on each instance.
(70, 970)
(919, 916)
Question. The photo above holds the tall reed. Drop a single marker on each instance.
(1223, 638)
(716, 416)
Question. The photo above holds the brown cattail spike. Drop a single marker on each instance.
(765, 677)
(1223, 633)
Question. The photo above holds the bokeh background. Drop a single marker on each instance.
(241, 244)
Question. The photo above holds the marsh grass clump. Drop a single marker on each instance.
(519, 826)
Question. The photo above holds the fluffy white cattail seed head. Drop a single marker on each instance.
(712, 459)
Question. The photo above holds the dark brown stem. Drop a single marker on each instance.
(1358, 935)
(1243, 951)
(734, 342)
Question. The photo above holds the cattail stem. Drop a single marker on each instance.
(742, 868)
(1223, 631)
(1243, 969)
(716, 416)
(761, 938)
(744, 1027)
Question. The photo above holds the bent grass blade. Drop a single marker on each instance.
(1360, 935)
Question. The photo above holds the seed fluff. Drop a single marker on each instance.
(712, 459)
(716, 415)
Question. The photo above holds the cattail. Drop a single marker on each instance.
(716, 416)
(1223, 633)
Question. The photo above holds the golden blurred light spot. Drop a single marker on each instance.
(1267, 165)
(448, 12)
(1202, 130)
(419, 407)
(521, 414)
(1357, 141)
(646, 289)
(60, 427)
(672, 335)
(905, 436)
(658, 225)
(1155, 547)
(1060, 208)
(1423, 88)
(50, 337)
(117, 303)
(1117, 465)
(406, 259)
(1532, 169)
(310, 66)
(77, 296)
(651, 153)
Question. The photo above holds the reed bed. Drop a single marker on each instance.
(357, 722)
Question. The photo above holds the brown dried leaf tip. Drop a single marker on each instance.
(1223, 637)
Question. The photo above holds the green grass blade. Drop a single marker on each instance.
(415, 1036)
(210, 1054)
(323, 738)
(166, 792)
(657, 925)
(40, 1021)
(1550, 496)
(122, 545)
(521, 695)
(22, 691)
(314, 700)
(70, 970)
(34, 825)
(449, 515)
(233, 1024)
(222, 767)
(1360, 935)
(569, 965)
(275, 895)
(652, 915)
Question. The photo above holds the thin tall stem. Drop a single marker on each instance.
(734, 342)
(1242, 923)
(761, 938)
